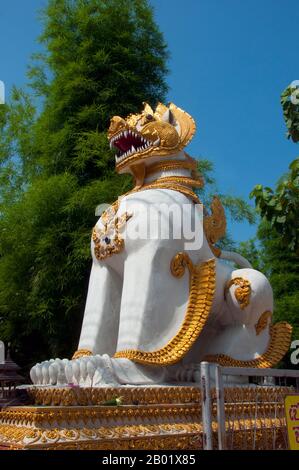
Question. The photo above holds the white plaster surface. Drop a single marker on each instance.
(134, 302)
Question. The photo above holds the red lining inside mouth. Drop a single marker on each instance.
(125, 143)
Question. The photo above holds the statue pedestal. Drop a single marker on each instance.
(150, 418)
(72, 418)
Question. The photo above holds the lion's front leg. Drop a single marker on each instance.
(99, 333)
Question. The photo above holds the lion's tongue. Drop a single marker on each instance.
(125, 143)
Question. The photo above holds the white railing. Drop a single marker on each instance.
(247, 415)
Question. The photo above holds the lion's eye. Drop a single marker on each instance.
(149, 117)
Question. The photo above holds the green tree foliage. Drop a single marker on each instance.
(236, 208)
(282, 265)
(290, 107)
(102, 58)
(281, 206)
(275, 251)
(250, 251)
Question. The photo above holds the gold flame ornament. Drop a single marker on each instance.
(108, 238)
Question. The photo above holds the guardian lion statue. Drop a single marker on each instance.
(158, 305)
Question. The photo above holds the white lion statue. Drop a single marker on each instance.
(159, 304)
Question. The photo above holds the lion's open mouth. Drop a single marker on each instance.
(128, 142)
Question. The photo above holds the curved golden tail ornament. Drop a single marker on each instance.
(279, 344)
(202, 288)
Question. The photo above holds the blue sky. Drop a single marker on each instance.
(230, 60)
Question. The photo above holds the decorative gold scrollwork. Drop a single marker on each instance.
(242, 292)
(82, 353)
(280, 340)
(263, 321)
(215, 225)
(108, 239)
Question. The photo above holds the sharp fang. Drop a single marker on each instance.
(125, 133)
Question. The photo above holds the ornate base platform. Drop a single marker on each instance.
(72, 418)
(150, 418)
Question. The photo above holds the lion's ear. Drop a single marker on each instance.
(147, 109)
(185, 125)
(169, 117)
(160, 110)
